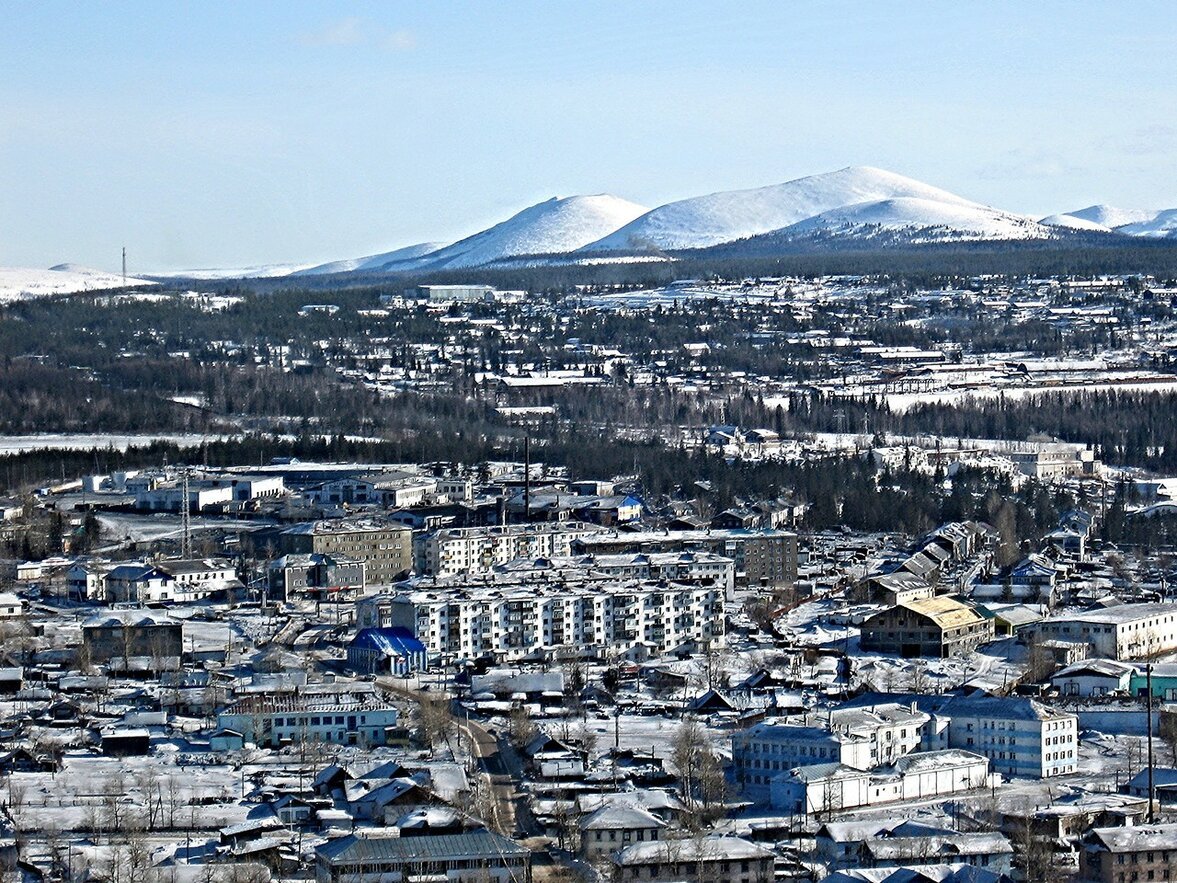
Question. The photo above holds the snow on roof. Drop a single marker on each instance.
(620, 816)
(1120, 614)
(1137, 838)
(692, 849)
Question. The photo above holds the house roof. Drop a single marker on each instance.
(1135, 839)
(389, 642)
(943, 610)
(691, 849)
(620, 816)
(356, 849)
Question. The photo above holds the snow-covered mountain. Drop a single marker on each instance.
(1128, 222)
(1073, 222)
(19, 283)
(1160, 225)
(374, 263)
(1111, 217)
(920, 220)
(555, 226)
(737, 214)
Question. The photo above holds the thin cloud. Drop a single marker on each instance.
(355, 31)
(348, 31)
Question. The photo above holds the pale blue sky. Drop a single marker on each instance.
(222, 134)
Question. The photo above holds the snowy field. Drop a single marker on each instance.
(76, 441)
(22, 283)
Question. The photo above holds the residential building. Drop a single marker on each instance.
(716, 859)
(1022, 737)
(1125, 631)
(512, 621)
(125, 640)
(474, 550)
(11, 606)
(280, 719)
(385, 549)
(1129, 855)
(379, 855)
(317, 577)
(834, 787)
(939, 627)
(762, 557)
(615, 826)
(857, 737)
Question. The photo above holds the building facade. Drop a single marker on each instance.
(939, 627)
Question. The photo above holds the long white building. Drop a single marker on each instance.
(474, 550)
(1126, 631)
(643, 619)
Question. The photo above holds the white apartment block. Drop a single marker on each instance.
(472, 550)
(1020, 737)
(513, 621)
(1126, 631)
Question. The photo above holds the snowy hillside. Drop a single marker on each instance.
(19, 283)
(262, 271)
(1073, 222)
(923, 219)
(1111, 217)
(555, 226)
(374, 263)
(1161, 225)
(736, 214)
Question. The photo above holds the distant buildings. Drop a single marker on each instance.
(763, 557)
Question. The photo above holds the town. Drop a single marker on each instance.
(766, 579)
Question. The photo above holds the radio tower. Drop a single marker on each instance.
(185, 519)
(124, 266)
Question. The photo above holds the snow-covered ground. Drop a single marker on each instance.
(21, 283)
(74, 441)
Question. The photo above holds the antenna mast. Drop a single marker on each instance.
(124, 266)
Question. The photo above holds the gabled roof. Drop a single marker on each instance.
(620, 816)
(354, 849)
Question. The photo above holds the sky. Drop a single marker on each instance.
(227, 134)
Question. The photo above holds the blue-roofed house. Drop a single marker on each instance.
(382, 651)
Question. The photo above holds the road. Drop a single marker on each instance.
(499, 769)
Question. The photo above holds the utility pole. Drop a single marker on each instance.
(185, 518)
(1152, 795)
(527, 478)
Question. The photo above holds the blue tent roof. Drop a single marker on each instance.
(391, 642)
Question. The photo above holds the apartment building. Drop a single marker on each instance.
(1126, 631)
(511, 621)
(169, 581)
(856, 737)
(385, 549)
(1130, 854)
(1021, 737)
(473, 550)
(761, 557)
